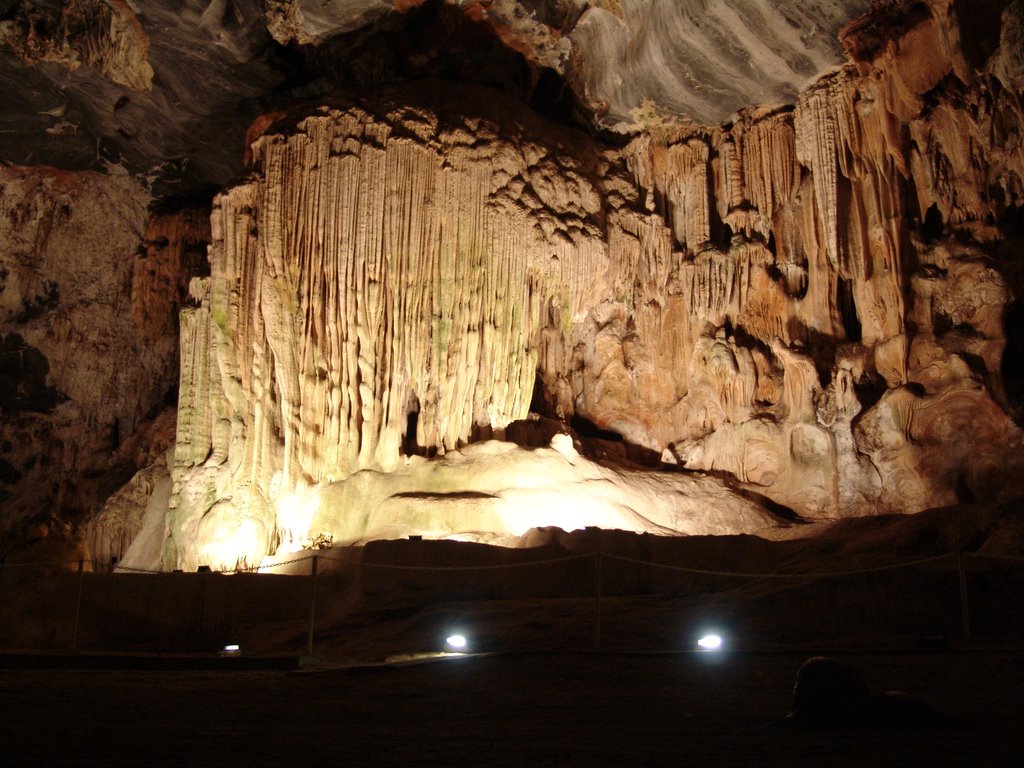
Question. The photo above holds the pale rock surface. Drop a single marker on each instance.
(130, 529)
(637, 61)
(492, 491)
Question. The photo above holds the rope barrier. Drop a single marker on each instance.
(73, 564)
(330, 559)
(598, 558)
(129, 569)
(818, 574)
(259, 568)
(988, 556)
(477, 567)
(568, 558)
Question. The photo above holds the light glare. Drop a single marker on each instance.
(455, 643)
(710, 642)
(296, 510)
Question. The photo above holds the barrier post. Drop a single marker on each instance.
(312, 605)
(78, 604)
(965, 610)
(597, 600)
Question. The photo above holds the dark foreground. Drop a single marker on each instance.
(507, 710)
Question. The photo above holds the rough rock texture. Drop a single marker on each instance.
(130, 529)
(814, 303)
(629, 61)
(846, 254)
(103, 34)
(633, 60)
(78, 379)
(312, 23)
(809, 301)
(161, 89)
(169, 86)
(397, 295)
(175, 253)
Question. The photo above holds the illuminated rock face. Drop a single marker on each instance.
(490, 491)
(409, 267)
(808, 301)
(831, 311)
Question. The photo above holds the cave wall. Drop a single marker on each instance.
(79, 380)
(844, 279)
(377, 265)
(809, 301)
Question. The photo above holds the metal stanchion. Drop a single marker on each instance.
(597, 600)
(312, 605)
(78, 605)
(965, 610)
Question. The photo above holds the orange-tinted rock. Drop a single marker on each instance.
(175, 252)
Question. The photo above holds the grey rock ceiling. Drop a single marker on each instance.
(607, 65)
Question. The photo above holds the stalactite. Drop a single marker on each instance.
(760, 299)
(349, 283)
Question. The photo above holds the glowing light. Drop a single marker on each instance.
(710, 643)
(522, 507)
(231, 650)
(227, 539)
(296, 510)
(456, 644)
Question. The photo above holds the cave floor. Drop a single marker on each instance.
(515, 709)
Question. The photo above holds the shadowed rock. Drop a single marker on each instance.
(832, 694)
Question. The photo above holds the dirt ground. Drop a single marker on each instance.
(586, 709)
(578, 659)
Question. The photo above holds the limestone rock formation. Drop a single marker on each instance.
(160, 89)
(805, 300)
(492, 491)
(103, 34)
(78, 379)
(443, 256)
(166, 88)
(812, 304)
(175, 252)
(826, 290)
(629, 61)
(129, 531)
(637, 59)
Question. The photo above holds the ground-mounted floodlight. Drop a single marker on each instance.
(456, 643)
(231, 650)
(710, 642)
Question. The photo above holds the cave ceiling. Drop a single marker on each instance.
(166, 88)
